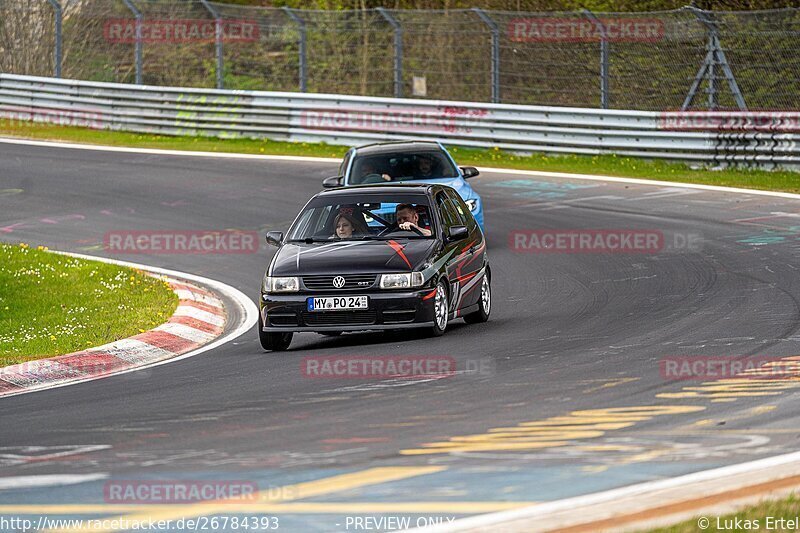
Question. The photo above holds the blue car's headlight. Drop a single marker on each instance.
(472, 203)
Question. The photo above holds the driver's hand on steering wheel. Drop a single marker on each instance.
(406, 226)
(386, 177)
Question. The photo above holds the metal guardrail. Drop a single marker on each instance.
(758, 139)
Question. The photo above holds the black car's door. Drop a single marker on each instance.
(471, 254)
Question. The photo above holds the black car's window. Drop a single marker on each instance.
(461, 208)
(358, 218)
(401, 166)
(448, 212)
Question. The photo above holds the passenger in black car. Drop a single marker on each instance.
(346, 224)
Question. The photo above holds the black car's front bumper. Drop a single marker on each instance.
(387, 310)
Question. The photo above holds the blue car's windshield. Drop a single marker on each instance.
(359, 218)
(401, 166)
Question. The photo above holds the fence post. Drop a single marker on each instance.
(301, 27)
(58, 14)
(398, 51)
(138, 50)
(495, 52)
(217, 41)
(604, 49)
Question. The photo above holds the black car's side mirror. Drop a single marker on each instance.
(469, 172)
(457, 233)
(274, 238)
(333, 181)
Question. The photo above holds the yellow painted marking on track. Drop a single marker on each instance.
(608, 383)
(553, 432)
(595, 469)
(309, 489)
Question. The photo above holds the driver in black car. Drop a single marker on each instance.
(408, 218)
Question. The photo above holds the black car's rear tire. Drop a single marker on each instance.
(274, 342)
(484, 304)
(441, 310)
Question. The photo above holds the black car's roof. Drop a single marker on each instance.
(398, 188)
(397, 146)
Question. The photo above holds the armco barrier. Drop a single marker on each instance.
(759, 139)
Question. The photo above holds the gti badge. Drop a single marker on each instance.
(338, 282)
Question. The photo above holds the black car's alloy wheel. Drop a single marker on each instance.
(484, 304)
(441, 310)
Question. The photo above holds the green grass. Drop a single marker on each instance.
(610, 165)
(787, 508)
(52, 304)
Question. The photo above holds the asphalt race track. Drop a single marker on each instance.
(568, 332)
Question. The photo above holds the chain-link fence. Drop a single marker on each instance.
(681, 59)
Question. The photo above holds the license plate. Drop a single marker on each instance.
(337, 303)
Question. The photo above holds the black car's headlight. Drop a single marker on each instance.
(472, 203)
(401, 281)
(280, 284)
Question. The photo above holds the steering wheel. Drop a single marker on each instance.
(396, 227)
(372, 178)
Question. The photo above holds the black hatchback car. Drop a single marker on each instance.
(376, 258)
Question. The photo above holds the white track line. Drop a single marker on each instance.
(247, 309)
(49, 480)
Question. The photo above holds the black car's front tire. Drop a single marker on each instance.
(441, 310)
(274, 342)
(484, 304)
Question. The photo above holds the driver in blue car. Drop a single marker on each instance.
(408, 218)
(371, 174)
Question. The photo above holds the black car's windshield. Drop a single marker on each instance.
(401, 166)
(363, 217)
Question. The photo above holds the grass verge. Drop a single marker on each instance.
(783, 514)
(610, 165)
(51, 304)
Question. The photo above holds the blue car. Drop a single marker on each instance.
(417, 161)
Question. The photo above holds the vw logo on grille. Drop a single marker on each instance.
(338, 282)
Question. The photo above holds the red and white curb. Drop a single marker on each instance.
(197, 325)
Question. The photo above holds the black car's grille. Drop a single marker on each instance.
(351, 282)
(339, 318)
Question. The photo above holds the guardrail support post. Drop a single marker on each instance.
(495, 52)
(398, 51)
(301, 28)
(715, 55)
(138, 50)
(58, 14)
(217, 42)
(604, 50)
